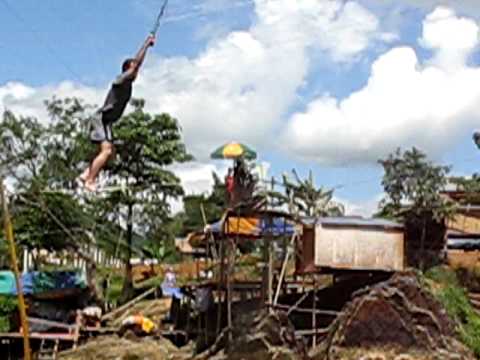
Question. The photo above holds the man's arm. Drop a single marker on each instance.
(132, 72)
(150, 41)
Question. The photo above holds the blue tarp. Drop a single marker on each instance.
(37, 282)
(281, 226)
(172, 291)
(7, 282)
(276, 226)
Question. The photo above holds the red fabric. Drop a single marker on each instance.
(229, 183)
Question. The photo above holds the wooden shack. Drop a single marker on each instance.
(351, 243)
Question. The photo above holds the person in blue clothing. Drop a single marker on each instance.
(115, 103)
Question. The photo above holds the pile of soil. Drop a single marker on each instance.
(116, 348)
(259, 335)
(396, 313)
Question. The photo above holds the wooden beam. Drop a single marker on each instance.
(303, 310)
(128, 304)
(56, 324)
(313, 332)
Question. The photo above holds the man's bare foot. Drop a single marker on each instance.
(90, 186)
(84, 176)
(80, 181)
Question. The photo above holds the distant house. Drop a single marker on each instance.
(186, 250)
(463, 231)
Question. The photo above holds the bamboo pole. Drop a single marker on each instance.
(13, 256)
(129, 304)
(284, 268)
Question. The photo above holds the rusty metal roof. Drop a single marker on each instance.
(353, 222)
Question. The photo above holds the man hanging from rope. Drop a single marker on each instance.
(112, 110)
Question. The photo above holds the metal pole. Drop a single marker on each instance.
(13, 256)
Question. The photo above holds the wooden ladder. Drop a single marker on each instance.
(46, 352)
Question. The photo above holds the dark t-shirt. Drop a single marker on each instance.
(117, 98)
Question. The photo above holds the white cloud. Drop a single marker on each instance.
(241, 86)
(394, 11)
(196, 178)
(29, 101)
(466, 7)
(366, 208)
(404, 102)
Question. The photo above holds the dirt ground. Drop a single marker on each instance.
(115, 348)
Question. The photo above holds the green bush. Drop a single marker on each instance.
(7, 306)
(455, 300)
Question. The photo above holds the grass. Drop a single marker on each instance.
(454, 298)
(114, 289)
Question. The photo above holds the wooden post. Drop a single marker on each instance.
(314, 313)
(284, 269)
(13, 256)
(264, 270)
(270, 260)
(270, 270)
(219, 288)
(76, 331)
(231, 249)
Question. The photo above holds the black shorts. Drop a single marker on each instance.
(100, 130)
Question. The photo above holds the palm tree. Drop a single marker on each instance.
(303, 198)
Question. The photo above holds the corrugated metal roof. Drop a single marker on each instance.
(353, 221)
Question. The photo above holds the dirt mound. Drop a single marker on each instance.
(115, 348)
(260, 335)
(391, 354)
(396, 313)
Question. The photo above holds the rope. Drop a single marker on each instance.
(159, 17)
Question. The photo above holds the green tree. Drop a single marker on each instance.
(214, 204)
(148, 145)
(48, 154)
(471, 187)
(37, 156)
(412, 186)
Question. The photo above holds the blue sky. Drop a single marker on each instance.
(294, 80)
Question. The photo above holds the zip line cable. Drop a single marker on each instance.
(198, 11)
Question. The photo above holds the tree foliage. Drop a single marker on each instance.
(214, 204)
(41, 154)
(412, 186)
(148, 144)
(470, 186)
